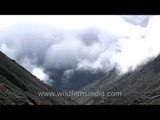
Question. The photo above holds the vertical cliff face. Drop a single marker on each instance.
(19, 87)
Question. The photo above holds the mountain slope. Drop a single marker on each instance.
(142, 83)
(20, 87)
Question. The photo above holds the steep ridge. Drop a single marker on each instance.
(19, 87)
(140, 86)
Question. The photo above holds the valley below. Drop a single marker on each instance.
(139, 87)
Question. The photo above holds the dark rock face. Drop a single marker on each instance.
(20, 87)
(137, 87)
(9, 96)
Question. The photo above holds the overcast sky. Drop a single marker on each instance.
(79, 42)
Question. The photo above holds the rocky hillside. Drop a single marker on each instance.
(141, 86)
(20, 87)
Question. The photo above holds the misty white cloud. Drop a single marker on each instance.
(153, 36)
(63, 54)
(39, 72)
(141, 20)
(134, 52)
(10, 51)
(138, 50)
(42, 43)
(67, 75)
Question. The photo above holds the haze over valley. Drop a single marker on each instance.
(85, 53)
